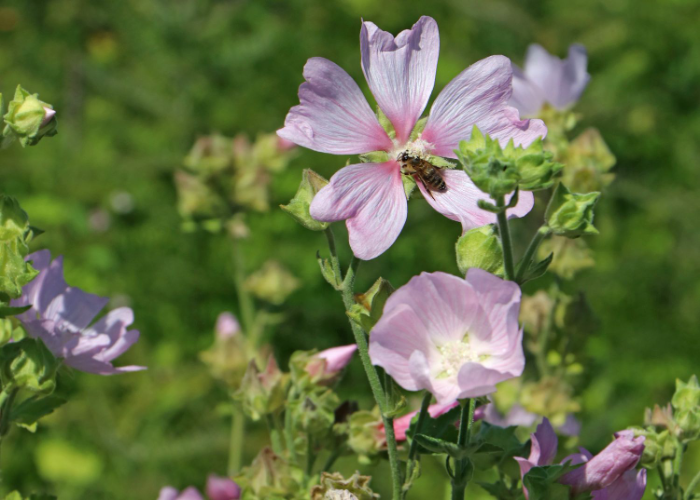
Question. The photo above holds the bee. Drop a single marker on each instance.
(426, 172)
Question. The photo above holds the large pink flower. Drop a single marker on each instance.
(610, 475)
(454, 337)
(334, 117)
(61, 316)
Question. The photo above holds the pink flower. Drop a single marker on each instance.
(334, 117)
(170, 493)
(222, 488)
(609, 475)
(337, 358)
(226, 326)
(456, 338)
(546, 78)
(61, 317)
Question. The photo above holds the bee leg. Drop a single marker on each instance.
(426, 187)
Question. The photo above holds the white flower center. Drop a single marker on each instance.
(455, 354)
(415, 149)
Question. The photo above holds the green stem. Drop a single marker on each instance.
(331, 460)
(373, 378)
(413, 450)
(245, 301)
(541, 234)
(7, 398)
(235, 452)
(335, 263)
(691, 487)
(310, 458)
(459, 482)
(504, 231)
(289, 429)
(275, 434)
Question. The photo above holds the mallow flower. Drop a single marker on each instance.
(170, 493)
(547, 79)
(610, 475)
(62, 317)
(456, 338)
(334, 117)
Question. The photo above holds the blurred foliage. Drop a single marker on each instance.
(136, 82)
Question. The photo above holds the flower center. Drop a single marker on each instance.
(455, 354)
(415, 149)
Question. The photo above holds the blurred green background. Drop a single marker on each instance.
(136, 81)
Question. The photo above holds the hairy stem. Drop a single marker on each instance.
(459, 482)
(504, 232)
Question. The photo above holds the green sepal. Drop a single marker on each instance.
(386, 123)
(262, 393)
(28, 364)
(537, 269)
(298, 207)
(489, 207)
(328, 273)
(441, 428)
(480, 247)
(365, 436)
(313, 413)
(374, 157)
(27, 413)
(571, 214)
(687, 395)
(396, 404)
(369, 306)
(418, 129)
(409, 184)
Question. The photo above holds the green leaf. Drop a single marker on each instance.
(541, 482)
(369, 305)
(537, 269)
(328, 273)
(442, 447)
(29, 365)
(442, 428)
(6, 311)
(493, 445)
(27, 413)
(15, 272)
(298, 207)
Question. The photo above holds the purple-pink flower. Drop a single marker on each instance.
(62, 317)
(170, 493)
(456, 338)
(222, 488)
(337, 358)
(547, 79)
(610, 475)
(334, 117)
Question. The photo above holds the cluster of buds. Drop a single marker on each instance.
(223, 178)
(262, 393)
(28, 119)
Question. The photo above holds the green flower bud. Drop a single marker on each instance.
(336, 487)
(571, 214)
(262, 393)
(369, 306)
(271, 477)
(687, 395)
(298, 207)
(365, 434)
(28, 119)
(588, 161)
(14, 234)
(480, 247)
(273, 283)
(570, 256)
(314, 412)
(29, 365)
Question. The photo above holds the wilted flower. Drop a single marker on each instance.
(454, 337)
(610, 475)
(170, 493)
(61, 317)
(547, 79)
(222, 488)
(334, 117)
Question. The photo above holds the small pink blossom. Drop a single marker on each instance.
(334, 117)
(548, 79)
(609, 475)
(226, 326)
(62, 317)
(222, 488)
(337, 358)
(49, 113)
(456, 338)
(170, 493)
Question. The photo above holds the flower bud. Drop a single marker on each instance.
(365, 432)
(588, 161)
(226, 326)
(687, 395)
(298, 207)
(336, 487)
(262, 393)
(28, 119)
(273, 283)
(571, 214)
(314, 412)
(270, 476)
(227, 358)
(656, 446)
(480, 247)
(209, 155)
(323, 368)
(28, 364)
(222, 488)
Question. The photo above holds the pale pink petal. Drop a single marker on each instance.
(561, 82)
(527, 97)
(459, 201)
(190, 493)
(501, 299)
(226, 325)
(478, 96)
(476, 380)
(333, 116)
(168, 493)
(222, 488)
(337, 358)
(401, 71)
(371, 198)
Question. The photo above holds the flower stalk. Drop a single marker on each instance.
(504, 232)
(462, 466)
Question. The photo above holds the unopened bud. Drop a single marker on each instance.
(571, 214)
(28, 119)
(480, 247)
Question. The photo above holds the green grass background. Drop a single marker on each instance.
(136, 81)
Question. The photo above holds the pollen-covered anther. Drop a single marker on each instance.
(454, 355)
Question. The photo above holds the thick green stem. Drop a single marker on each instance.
(331, 459)
(245, 301)
(275, 434)
(461, 476)
(504, 231)
(235, 452)
(691, 487)
(373, 378)
(289, 429)
(541, 234)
